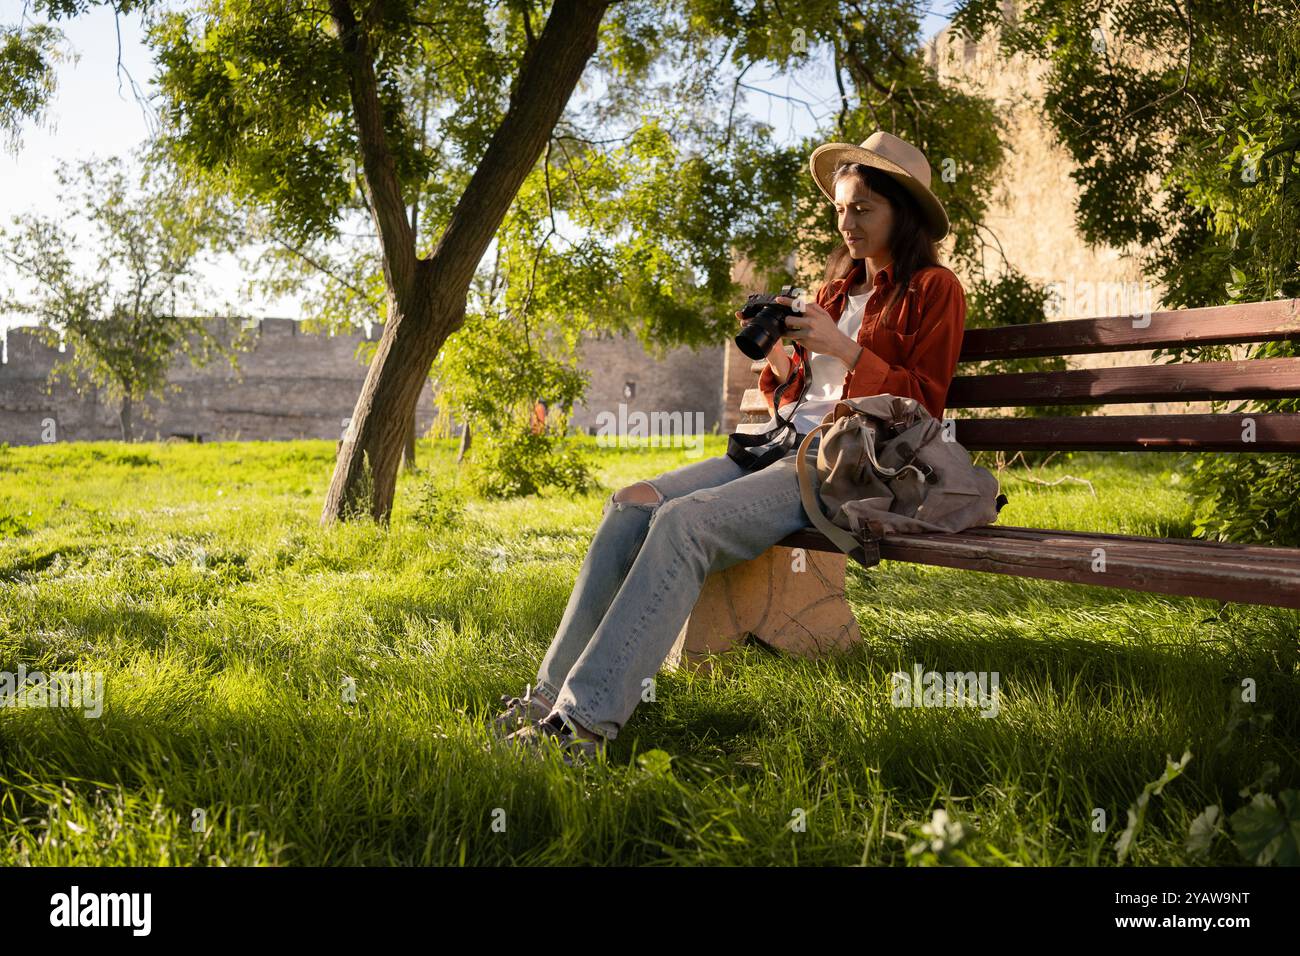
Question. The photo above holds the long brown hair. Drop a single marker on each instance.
(911, 243)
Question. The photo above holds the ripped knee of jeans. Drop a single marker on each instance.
(642, 495)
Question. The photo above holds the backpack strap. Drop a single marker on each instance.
(865, 552)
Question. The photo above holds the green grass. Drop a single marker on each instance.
(226, 622)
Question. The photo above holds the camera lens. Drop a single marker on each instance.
(762, 333)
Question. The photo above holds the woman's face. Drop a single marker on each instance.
(866, 219)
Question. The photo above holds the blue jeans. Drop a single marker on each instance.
(644, 572)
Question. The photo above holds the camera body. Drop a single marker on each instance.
(766, 322)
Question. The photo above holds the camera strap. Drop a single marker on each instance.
(783, 433)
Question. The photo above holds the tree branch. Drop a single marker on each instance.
(545, 84)
(573, 173)
(839, 83)
(532, 276)
(318, 267)
(731, 113)
(525, 12)
(383, 190)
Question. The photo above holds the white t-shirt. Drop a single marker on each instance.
(827, 378)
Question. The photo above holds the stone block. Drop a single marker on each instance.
(799, 612)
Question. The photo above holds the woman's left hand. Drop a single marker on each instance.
(816, 331)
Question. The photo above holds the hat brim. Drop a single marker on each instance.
(825, 158)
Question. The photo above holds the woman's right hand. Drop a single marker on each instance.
(777, 359)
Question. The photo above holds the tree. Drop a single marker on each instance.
(123, 335)
(279, 99)
(340, 278)
(523, 460)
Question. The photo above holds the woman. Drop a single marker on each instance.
(887, 319)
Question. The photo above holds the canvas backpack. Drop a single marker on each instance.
(886, 466)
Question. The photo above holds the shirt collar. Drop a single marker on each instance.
(883, 277)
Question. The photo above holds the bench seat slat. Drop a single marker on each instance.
(1182, 382)
(1205, 550)
(1192, 549)
(1273, 432)
(1187, 568)
(1131, 554)
(1270, 321)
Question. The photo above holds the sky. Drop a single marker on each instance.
(95, 113)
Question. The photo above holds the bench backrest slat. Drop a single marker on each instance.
(1271, 321)
(1270, 432)
(1185, 382)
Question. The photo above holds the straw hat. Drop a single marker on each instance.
(896, 157)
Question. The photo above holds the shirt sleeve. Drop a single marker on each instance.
(768, 382)
(927, 372)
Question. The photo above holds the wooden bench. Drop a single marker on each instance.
(805, 613)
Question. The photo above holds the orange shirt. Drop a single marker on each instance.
(915, 356)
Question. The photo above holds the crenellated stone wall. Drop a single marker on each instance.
(291, 384)
(288, 385)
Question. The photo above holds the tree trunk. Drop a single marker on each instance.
(408, 445)
(376, 437)
(465, 438)
(124, 418)
(427, 297)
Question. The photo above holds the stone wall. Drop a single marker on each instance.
(291, 384)
(288, 385)
(685, 381)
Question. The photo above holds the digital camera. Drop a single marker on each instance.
(766, 322)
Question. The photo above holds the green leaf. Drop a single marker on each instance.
(1265, 832)
(1202, 831)
(1137, 813)
(656, 763)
